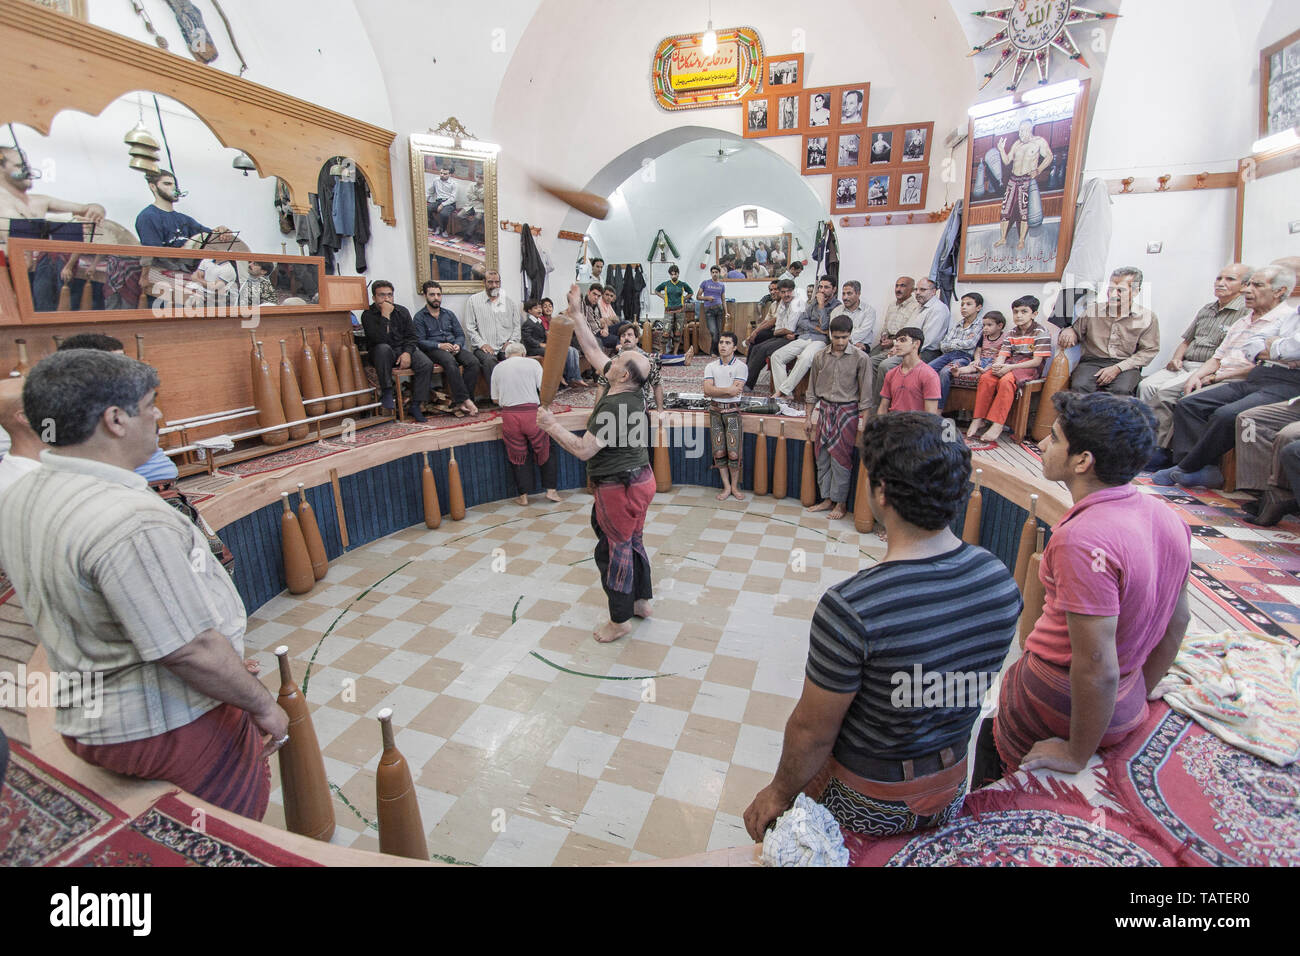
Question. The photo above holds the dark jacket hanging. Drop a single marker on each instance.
(322, 209)
(832, 268)
(530, 263)
(633, 283)
(361, 235)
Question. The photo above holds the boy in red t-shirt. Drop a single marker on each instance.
(912, 386)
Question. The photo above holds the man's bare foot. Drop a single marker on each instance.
(643, 609)
(552, 495)
(999, 242)
(1020, 245)
(839, 511)
(820, 506)
(723, 495)
(610, 632)
(994, 432)
(252, 666)
(736, 493)
(468, 407)
(690, 353)
(974, 427)
(521, 500)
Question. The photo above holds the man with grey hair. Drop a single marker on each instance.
(1200, 341)
(1119, 338)
(516, 387)
(492, 321)
(118, 584)
(859, 313)
(1205, 420)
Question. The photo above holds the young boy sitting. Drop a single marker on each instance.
(990, 343)
(912, 386)
(724, 380)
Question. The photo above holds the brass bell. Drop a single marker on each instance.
(139, 135)
(144, 152)
(144, 165)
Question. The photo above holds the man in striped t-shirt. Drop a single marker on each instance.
(901, 654)
(136, 615)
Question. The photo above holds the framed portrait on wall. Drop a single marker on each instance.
(1279, 86)
(814, 154)
(880, 145)
(756, 119)
(879, 187)
(783, 71)
(817, 107)
(848, 150)
(911, 188)
(1022, 181)
(756, 256)
(915, 139)
(850, 104)
(846, 189)
(787, 113)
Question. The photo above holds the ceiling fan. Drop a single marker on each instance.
(721, 153)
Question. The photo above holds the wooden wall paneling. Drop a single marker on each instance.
(53, 62)
(343, 292)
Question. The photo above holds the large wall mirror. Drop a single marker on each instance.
(454, 200)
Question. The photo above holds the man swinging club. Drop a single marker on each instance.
(615, 448)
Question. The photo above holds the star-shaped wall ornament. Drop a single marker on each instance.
(1033, 28)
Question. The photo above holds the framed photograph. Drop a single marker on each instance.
(878, 189)
(818, 109)
(916, 142)
(759, 257)
(455, 191)
(751, 218)
(1279, 86)
(911, 189)
(72, 8)
(785, 70)
(848, 150)
(844, 197)
(1022, 181)
(814, 154)
(850, 104)
(880, 145)
(787, 113)
(756, 116)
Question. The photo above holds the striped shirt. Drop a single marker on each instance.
(1018, 346)
(952, 615)
(113, 579)
(1211, 324)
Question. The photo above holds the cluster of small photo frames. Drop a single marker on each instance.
(883, 168)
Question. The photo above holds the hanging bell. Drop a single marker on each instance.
(143, 164)
(242, 162)
(144, 152)
(139, 135)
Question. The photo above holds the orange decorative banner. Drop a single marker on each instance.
(683, 77)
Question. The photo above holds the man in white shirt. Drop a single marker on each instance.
(784, 318)
(933, 319)
(859, 313)
(1205, 419)
(491, 322)
(724, 381)
(24, 452)
(442, 202)
(516, 388)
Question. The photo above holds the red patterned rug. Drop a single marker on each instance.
(280, 459)
(46, 818)
(1173, 795)
(175, 833)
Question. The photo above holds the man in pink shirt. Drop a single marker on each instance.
(1115, 613)
(910, 386)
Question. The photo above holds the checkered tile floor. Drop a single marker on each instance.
(529, 742)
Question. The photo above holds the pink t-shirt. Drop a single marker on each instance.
(908, 391)
(1118, 552)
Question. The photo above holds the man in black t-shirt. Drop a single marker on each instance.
(901, 654)
(615, 448)
(392, 344)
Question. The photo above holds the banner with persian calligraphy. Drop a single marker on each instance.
(684, 77)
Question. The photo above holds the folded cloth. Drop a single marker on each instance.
(805, 835)
(1241, 686)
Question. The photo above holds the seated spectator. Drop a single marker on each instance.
(392, 345)
(593, 310)
(859, 313)
(773, 333)
(812, 334)
(1200, 343)
(862, 740)
(652, 389)
(1114, 575)
(911, 385)
(1022, 359)
(440, 336)
(534, 332)
(25, 447)
(515, 387)
(990, 344)
(258, 290)
(491, 322)
(1274, 431)
(1119, 339)
(1205, 419)
(959, 345)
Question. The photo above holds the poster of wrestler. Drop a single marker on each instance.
(1021, 188)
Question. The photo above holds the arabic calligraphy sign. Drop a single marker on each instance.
(683, 77)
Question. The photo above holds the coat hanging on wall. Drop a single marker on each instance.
(531, 265)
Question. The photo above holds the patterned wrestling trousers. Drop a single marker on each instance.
(862, 814)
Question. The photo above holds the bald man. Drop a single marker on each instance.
(25, 447)
(1200, 341)
(616, 450)
(902, 313)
